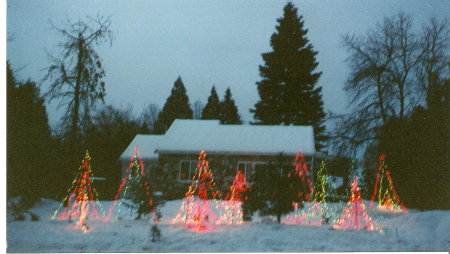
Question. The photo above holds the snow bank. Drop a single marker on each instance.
(416, 231)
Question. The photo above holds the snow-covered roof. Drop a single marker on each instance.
(146, 144)
(192, 136)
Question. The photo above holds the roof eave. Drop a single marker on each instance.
(169, 151)
(143, 157)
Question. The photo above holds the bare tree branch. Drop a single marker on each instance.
(76, 76)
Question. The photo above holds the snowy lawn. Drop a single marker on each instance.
(415, 231)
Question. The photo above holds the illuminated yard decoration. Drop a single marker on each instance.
(232, 205)
(195, 211)
(323, 190)
(388, 200)
(81, 203)
(354, 215)
(308, 212)
(133, 187)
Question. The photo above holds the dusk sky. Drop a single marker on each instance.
(205, 42)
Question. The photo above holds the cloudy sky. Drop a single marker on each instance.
(205, 42)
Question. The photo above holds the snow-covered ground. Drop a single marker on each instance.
(415, 231)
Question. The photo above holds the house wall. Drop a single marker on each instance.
(164, 173)
(151, 166)
(223, 166)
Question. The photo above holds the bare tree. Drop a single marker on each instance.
(76, 76)
(150, 115)
(198, 109)
(382, 83)
(369, 88)
(435, 56)
(405, 58)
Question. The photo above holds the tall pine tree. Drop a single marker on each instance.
(176, 107)
(229, 111)
(212, 109)
(28, 141)
(287, 89)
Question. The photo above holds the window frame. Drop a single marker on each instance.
(192, 167)
(252, 167)
(254, 163)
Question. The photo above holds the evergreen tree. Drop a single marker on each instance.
(229, 111)
(176, 107)
(256, 196)
(271, 193)
(287, 89)
(28, 141)
(279, 196)
(212, 109)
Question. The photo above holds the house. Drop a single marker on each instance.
(147, 145)
(251, 148)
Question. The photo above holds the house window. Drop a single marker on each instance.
(187, 169)
(249, 167)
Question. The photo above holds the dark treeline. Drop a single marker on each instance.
(43, 165)
(52, 160)
(29, 145)
(46, 164)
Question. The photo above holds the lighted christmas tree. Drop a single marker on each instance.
(306, 210)
(388, 200)
(323, 190)
(232, 205)
(195, 211)
(81, 203)
(134, 194)
(354, 215)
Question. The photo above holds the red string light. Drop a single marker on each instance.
(82, 201)
(311, 214)
(354, 215)
(233, 214)
(135, 172)
(195, 210)
(388, 199)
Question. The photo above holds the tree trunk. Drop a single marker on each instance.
(380, 97)
(402, 101)
(76, 105)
